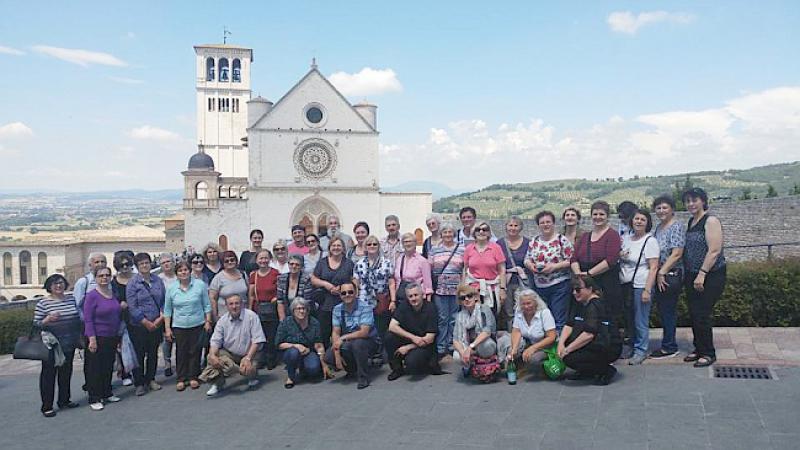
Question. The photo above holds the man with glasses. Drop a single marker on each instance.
(391, 246)
(411, 339)
(298, 244)
(354, 337)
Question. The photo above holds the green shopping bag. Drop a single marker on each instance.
(553, 366)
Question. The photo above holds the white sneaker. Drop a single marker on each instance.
(213, 391)
(112, 399)
(96, 406)
(252, 383)
(127, 382)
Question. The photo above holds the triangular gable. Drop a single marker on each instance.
(334, 95)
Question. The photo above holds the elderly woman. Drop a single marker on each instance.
(167, 263)
(213, 264)
(57, 314)
(447, 264)
(101, 314)
(638, 267)
(300, 341)
(145, 295)
(434, 223)
(263, 300)
(187, 312)
(123, 264)
(247, 261)
(410, 267)
(548, 259)
(294, 284)
(533, 331)
(360, 231)
(331, 272)
(590, 341)
(597, 255)
(485, 267)
(515, 247)
(229, 281)
(671, 236)
(475, 329)
(375, 277)
(704, 261)
(572, 220)
(281, 252)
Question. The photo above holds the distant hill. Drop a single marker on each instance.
(175, 195)
(438, 190)
(526, 199)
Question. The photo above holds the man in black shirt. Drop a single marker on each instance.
(410, 341)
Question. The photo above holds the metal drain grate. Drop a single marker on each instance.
(743, 372)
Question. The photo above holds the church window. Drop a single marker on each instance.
(223, 242)
(7, 273)
(243, 192)
(307, 224)
(42, 267)
(418, 234)
(223, 69)
(25, 267)
(223, 192)
(211, 104)
(322, 226)
(201, 191)
(237, 71)
(233, 192)
(236, 105)
(210, 69)
(314, 114)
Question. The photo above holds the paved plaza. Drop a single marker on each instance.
(667, 405)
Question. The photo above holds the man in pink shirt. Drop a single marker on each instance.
(298, 245)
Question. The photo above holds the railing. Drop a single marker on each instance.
(768, 245)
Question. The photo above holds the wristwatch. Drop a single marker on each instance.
(472, 346)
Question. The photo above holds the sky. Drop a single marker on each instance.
(100, 95)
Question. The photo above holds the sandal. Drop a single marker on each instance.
(705, 361)
(194, 384)
(691, 357)
(181, 386)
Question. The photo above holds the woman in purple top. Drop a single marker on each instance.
(101, 314)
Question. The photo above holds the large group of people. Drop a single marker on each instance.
(322, 305)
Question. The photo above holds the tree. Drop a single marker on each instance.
(795, 190)
(771, 192)
(747, 194)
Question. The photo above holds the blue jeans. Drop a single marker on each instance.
(446, 309)
(309, 365)
(558, 297)
(668, 310)
(641, 321)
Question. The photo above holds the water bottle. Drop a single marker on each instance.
(511, 372)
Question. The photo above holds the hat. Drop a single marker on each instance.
(298, 228)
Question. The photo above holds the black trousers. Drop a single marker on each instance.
(592, 360)
(325, 326)
(270, 329)
(417, 361)
(356, 355)
(100, 368)
(47, 381)
(701, 307)
(187, 353)
(146, 345)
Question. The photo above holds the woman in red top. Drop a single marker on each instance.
(485, 267)
(263, 296)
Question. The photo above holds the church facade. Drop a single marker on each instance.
(269, 165)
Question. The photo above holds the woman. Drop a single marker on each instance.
(638, 266)
(447, 264)
(548, 259)
(294, 284)
(475, 330)
(533, 331)
(572, 220)
(671, 236)
(410, 267)
(433, 222)
(374, 275)
(299, 339)
(590, 342)
(515, 247)
(187, 312)
(211, 253)
(485, 268)
(123, 264)
(102, 317)
(145, 295)
(331, 272)
(314, 254)
(57, 314)
(198, 268)
(360, 231)
(263, 300)
(597, 256)
(281, 251)
(247, 261)
(704, 261)
(229, 281)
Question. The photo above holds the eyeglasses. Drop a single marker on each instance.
(310, 241)
(294, 264)
(464, 297)
(347, 292)
(197, 261)
(230, 260)
(371, 244)
(278, 249)
(301, 308)
(482, 230)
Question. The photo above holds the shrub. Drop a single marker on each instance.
(13, 324)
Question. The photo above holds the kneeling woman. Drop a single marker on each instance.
(475, 329)
(299, 339)
(533, 329)
(589, 344)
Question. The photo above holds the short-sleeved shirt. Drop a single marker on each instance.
(588, 318)
(361, 315)
(226, 287)
(236, 335)
(554, 251)
(391, 250)
(266, 285)
(418, 323)
(670, 238)
(631, 249)
(483, 265)
(337, 277)
(373, 279)
(534, 331)
(448, 278)
(289, 332)
(295, 250)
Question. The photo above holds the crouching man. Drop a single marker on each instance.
(410, 341)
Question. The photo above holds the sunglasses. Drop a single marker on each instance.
(372, 244)
(310, 241)
(230, 260)
(198, 261)
(278, 249)
(464, 297)
(126, 264)
(482, 230)
(347, 292)
(294, 264)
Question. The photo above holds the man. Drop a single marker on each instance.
(467, 216)
(391, 246)
(354, 336)
(411, 337)
(298, 244)
(234, 344)
(87, 282)
(145, 295)
(167, 263)
(333, 230)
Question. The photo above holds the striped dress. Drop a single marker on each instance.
(67, 329)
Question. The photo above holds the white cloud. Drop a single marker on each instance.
(368, 81)
(629, 23)
(124, 80)
(151, 133)
(79, 56)
(15, 130)
(10, 51)
(749, 130)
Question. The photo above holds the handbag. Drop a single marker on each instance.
(627, 288)
(31, 347)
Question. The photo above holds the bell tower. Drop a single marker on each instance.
(223, 90)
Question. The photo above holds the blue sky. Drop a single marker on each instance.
(483, 92)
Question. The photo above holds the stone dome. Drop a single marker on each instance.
(201, 161)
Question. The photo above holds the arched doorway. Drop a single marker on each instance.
(313, 214)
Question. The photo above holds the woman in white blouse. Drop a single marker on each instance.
(534, 329)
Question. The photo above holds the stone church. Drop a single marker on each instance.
(272, 165)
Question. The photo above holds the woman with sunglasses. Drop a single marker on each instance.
(374, 275)
(101, 314)
(247, 261)
(590, 341)
(123, 264)
(475, 329)
(229, 281)
(211, 253)
(331, 272)
(197, 263)
(410, 267)
(281, 252)
(263, 300)
(485, 268)
(313, 256)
